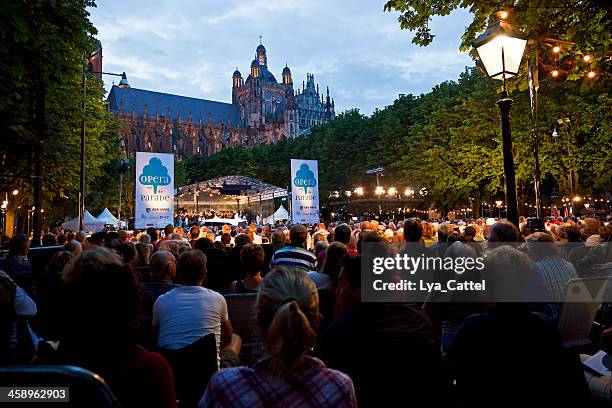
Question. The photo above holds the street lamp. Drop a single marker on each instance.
(500, 49)
(498, 203)
(122, 84)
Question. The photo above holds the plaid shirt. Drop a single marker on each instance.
(313, 386)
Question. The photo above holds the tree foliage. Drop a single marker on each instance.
(585, 23)
(43, 47)
(447, 141)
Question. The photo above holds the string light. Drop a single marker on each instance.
(503, 15)
(586, 58)
(556, 49)
(555, 73)
(591, 74)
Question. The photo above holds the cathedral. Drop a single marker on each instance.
(262, 111)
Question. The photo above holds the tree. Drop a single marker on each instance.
(585, 23)
(42, 51)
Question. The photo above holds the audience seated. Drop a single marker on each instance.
(295, 256)
(287, 313)
(101, 302)
(189, 312)
(510, 355)
(16, 264)
(411, 362)
(162, 270)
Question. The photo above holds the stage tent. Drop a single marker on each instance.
(279, 215)
(108, 218)
(90, 223)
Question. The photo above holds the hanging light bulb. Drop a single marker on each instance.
(586, 58)
(556, 49)
(591, 74)
(555, 73)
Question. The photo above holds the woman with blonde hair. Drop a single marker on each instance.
(288, 315)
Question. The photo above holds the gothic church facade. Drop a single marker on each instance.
(262, 111)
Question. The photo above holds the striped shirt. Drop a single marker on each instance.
(295, 258)
(555, 273)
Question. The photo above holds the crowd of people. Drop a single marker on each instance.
(130, 306)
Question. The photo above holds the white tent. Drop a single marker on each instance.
(108, 218)
(90, 223)
(280, 214)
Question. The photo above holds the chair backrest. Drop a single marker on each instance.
(193, 366)
(583, 297)
(86, 389)
(241, 310)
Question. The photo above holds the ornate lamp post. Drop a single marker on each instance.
(501, 49)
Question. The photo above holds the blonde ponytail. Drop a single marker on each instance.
(288, 314)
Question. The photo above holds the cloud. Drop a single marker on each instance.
(191, 47)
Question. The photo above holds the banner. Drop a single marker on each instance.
(304, 191)
(154, 190)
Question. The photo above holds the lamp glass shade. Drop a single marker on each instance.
(501, 49)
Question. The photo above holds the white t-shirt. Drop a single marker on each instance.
(187, 313)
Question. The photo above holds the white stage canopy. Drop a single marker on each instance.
(279, 215)
(90, 223)
(108, 218)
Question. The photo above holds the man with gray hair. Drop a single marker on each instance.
(162, 270)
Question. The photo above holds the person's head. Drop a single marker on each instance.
(320, 246)
(288, 315)
(19, 245)
(168, 229)
(81, 236)
(192, 267)
(144, 253)
(242, 240)
(605, 233)
(333, 260)
(175, 237)
(107, 298)
(278, 238)
(73, 246)
(503, 231)
(91, 259)
(366, 226)
(350, 281)
(469, 233)
(226, 239)
(144, 239)
(252, 258)
(413, 231)
(58, 261)
(541, 245)
(508, 273)
(589, 227)
(178, 231)
(152, 232)
(194, 232)
(128, 253)
(123, 236)
(444, 230)
(49, 240)
(427, 230)
(297, 235)
(162, 265)
(571, 233)
(342, 234)
(203, 243)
